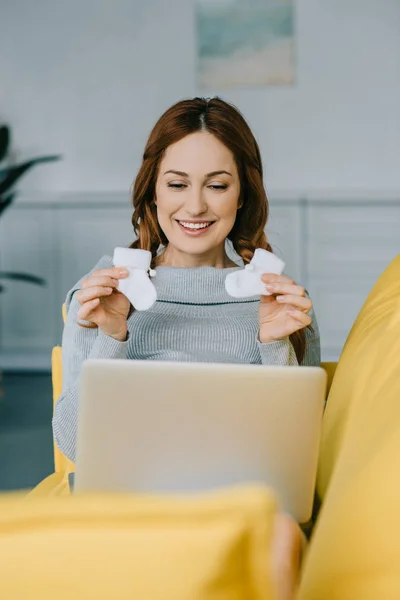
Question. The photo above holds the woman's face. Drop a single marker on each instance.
(197, 195)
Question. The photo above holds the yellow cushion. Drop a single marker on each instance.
(346, 393)
(355, 549)
(210, 547)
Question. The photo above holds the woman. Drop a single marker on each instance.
(200, 184)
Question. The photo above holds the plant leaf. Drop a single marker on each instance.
(23, 277)
(4, 141)
(12, 174)
(6, 201)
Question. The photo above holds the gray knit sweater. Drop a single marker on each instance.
(194, 319)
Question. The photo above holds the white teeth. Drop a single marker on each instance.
(194, 225)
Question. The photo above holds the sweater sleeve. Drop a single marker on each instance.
(282, 353)
(78, 344)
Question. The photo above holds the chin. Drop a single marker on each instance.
(195, 248)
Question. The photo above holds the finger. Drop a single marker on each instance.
(273, 278)
(298, 302)
(85, 311)
(103, 280)
(93, 292)
(115, 272)
(285, 288)
(299, 316)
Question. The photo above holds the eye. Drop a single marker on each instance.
(216, 186)
(177, 186)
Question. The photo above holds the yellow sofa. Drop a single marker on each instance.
(355, 548)
(216, 546)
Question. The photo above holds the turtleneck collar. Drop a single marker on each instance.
(199, 285)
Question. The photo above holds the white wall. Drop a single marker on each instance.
(88, 78)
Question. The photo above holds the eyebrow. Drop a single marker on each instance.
(212, 174)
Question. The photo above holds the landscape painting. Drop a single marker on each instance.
(244, 43)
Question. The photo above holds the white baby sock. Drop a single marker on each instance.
(137, 287)
(247, 282)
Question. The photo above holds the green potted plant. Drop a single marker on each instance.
(9, 175)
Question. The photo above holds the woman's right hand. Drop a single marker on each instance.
(102, 304)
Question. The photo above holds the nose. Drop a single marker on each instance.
(196, 204)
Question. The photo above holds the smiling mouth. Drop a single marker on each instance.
(198, 226)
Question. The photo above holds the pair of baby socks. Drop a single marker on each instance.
(142, 294)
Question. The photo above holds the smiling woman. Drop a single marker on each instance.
(199, 185)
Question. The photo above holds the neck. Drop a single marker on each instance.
(172, 257)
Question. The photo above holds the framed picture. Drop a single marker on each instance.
(244, 43)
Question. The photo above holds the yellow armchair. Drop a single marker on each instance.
(56, 484)
(62, 464)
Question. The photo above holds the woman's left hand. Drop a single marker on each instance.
(285, 311)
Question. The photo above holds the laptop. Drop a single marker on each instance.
(148, 426)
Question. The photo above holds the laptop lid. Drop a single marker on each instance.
(150, 426)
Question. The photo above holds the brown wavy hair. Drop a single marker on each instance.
(227, 124)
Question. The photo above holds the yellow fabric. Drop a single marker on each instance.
(346, 393)
(214, 546)
(56, 484)
(355, 548)
(330, 369)
(62, 464)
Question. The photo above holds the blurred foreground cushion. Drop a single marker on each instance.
(209, 546)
